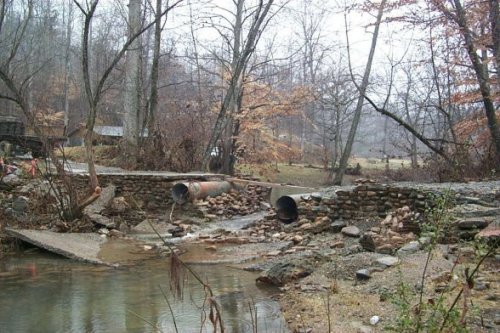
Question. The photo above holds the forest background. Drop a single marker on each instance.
(214, 84)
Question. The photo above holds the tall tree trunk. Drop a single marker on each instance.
(91, 99)
(233, 108)
(495, 31)
(359, 106)
(413, 153)
(132, 86)
(153, 100)
(67, 64)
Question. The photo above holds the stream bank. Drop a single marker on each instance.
(353, 264)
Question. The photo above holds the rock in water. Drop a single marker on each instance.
(283, 273)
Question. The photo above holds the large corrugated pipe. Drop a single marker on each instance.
(184, 192)
(287, 206)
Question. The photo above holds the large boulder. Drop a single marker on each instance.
(284, 272)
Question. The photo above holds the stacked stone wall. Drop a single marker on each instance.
(153, 191)
(364, 201)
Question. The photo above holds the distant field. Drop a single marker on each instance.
(378, 164)
(315, 176)
(296, 174)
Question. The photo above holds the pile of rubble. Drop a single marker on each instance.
(397, 229)
(235, 202)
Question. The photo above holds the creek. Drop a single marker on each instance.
(43, 292)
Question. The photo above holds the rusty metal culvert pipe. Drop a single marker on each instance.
(287, 206)
(184, 192)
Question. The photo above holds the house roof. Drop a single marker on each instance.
(114, 131)
(109, 130)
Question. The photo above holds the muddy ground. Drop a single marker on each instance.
(328, 281)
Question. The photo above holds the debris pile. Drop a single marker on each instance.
(397, 229)
(244, 202)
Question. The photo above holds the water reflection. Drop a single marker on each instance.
(46, 293)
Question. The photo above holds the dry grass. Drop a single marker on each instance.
(378, 164)
(296, 174)
(104, 155)
(316, 176)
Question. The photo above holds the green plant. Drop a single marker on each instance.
(422, 312)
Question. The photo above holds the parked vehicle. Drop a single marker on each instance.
(13, 139)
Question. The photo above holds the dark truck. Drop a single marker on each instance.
(13, 134)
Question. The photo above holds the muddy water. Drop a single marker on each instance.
(41, 292)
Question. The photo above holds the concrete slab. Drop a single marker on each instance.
(79, 246)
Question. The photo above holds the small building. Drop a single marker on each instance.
(103, 135)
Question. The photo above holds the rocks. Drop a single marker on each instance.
(363, 274)
(103, 231)
(322, 224)
(338, 225)
(368, 241)
(388, 261)
(337, 245)
(374, 320)
(105, 199)
(472, 223)
(282, 273)
(402, 220)
(491, 234)
(20, 205)
(297, 239)
(119, 205)
(101, 220)
(386, 243)
(11, 179)
(475, 210)
(351, 231)
(411, 247)
(394, 232)
(177, 231)
(244, 202)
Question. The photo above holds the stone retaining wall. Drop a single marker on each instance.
(364, 201)
(152, 191)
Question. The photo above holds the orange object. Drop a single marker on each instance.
(32, 170)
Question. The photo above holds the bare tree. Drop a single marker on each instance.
(454, 11)
(94, 92)
(310, 20)
(18, 87)
(362, 91)
(259, 17)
